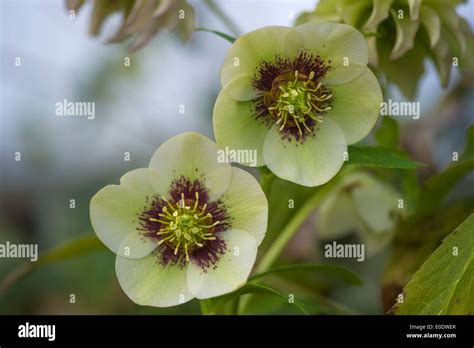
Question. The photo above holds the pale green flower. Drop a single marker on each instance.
(297, 96)
(185, 227)
(360, 204)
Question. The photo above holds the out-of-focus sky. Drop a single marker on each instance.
(136, 108)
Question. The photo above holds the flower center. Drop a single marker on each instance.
(185, 226)
(292, 95)
(295, 99)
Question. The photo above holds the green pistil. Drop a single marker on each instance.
(185, 227)
(298, 101)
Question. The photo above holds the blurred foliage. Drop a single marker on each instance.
(388, 134)
(141, 20)
(401, 34)
(363, 204)
(334, 270)
(212, 306)
(79, 247)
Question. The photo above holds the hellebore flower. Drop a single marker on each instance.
(360, 204)
(185, 227)
(401, 34)
(141, 19)
(298, 96)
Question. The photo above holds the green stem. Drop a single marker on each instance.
(266, 180)
(235, 306)
(218, 33)
(204, 308)
(293, 226)
(229, 23)
(290, 230)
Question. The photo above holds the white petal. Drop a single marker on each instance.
(149, 283)
(356, 106)
(193, 156)
(236, 128)
(246, 204)
(314, 162)
(343, 45)
(231, 270)
(251, 49)
(114, 213)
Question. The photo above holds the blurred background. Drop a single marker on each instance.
(137, 108)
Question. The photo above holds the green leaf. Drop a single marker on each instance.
(378, 156)
(227, 37)
(443, 285)
(380, 12)
(75, 248)
(406, 30)
(411, 63)
(431, 23)
(387, 134)
(336, 270)
(215, 304)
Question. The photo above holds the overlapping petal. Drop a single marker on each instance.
(311, 163)
(192, 156)
(147, 282)
(341, 44)
(247, 204)
(114, 213)
(249, 50)
(236, 126)
(231, 270)
(356, 106)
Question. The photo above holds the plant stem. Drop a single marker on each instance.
(266, 180)
(292, 227)
(229, 23)
(290, 230)
(203, 307)
(235, 306)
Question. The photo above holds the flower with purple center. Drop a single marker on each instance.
(298, 96)
(185, 227)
